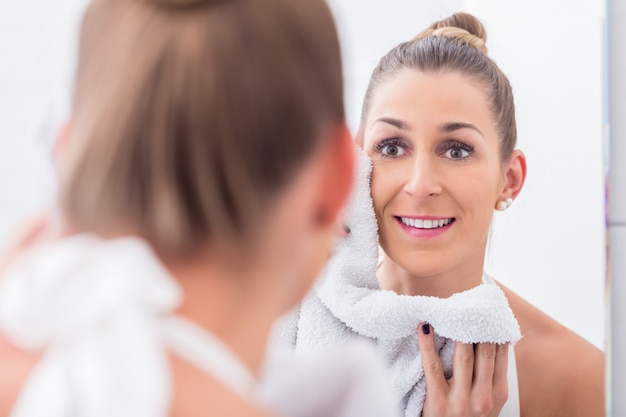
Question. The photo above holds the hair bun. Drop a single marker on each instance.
(461, 26)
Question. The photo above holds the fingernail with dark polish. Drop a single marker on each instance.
(426, 328)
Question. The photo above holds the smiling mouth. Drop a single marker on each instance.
(425, 224)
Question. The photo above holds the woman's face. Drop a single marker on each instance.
(437, 174)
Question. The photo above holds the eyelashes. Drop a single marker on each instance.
(452, 149)
(451, 144)
(391, 148)
(456, 150)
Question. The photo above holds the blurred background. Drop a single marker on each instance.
(549, 246)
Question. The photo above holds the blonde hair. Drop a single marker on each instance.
(477, 41)
(191, 115)
(456, 43)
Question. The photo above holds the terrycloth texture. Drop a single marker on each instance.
(348, 303)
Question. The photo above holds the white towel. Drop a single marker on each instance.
(93, 307)
(347, 303)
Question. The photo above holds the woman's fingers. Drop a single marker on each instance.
(483, 398)
(436, 384)
(485, 354)
(462, 370)
(500, 380)
(479, 383)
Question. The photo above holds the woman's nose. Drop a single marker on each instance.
(422, 181)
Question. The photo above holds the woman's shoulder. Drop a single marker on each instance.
(16, 365)
(559, 372)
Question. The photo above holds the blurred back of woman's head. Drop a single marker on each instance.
(189, 116)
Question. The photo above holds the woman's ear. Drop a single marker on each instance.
(337, 175)
(514, 175)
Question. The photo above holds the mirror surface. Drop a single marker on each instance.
(549, 247)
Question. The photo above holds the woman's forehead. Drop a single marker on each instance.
(414, 98)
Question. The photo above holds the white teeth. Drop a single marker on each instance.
(425, 224)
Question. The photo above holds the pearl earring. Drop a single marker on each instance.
(504, 204)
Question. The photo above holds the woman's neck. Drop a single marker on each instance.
(227, 301)
(443, 284)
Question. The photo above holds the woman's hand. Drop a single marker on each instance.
(479, 385)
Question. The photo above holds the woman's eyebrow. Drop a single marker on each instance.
(454, 126)
(400, 124)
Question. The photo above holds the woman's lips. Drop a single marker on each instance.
(425, 227)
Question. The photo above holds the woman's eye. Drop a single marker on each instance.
(457, 151)
(390, 148)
